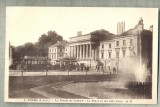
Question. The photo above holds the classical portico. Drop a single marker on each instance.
(81, 48)
(82, 51)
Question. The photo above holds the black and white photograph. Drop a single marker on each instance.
(81, 55)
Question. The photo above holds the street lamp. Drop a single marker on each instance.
(117, 50)
(25, 62)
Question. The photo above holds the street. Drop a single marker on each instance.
(54, 72)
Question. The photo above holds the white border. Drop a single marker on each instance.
(101, 101)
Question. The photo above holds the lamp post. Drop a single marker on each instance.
(25, 64)
(117, 50)
(90, 63)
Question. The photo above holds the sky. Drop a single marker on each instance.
(27, 24)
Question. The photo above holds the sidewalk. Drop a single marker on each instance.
(54, 72)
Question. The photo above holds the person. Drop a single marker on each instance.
(85, 67)
(81, 67)
(77, 67)
(114, 69)
(98, 67)
(102, 69)
(25, 68)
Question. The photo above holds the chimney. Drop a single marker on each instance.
(140, 24)
(151, 28)
(79, 33)
(120, 28)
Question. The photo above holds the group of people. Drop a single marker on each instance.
(100, 68)
(76, 66)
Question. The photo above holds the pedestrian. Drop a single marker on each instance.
(81, 67)
(114, 70)
(25, 68)
(102, 69)
(87, 68)
(98, 68)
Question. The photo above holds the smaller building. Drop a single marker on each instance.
(58, 51)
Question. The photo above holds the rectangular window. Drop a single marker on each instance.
(109, 45)
(124, 53)
(32, 62)
(117, 43)
(60, 50)
(35, 62)
(102, 55)
(102, 46)
(109, 54)
(55, 56)
(131, 42)
(124, 42)
(117, 54)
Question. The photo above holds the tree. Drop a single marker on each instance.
(47, 40)
(99, 35)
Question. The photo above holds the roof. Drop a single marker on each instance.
(134, 31)
(59, 44)
(36, 58)
(102, 35)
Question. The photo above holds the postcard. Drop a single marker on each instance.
(81, 55)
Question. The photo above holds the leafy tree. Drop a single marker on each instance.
(47, 40)
(39, 48)
(99, 35)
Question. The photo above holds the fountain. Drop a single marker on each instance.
(142, 82)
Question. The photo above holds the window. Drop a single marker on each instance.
(32, 62)
(131, 42)
(124, 53)
(35, 62)
(109, 45)
(60, 50)
(117, 54)
(124, 42)
(102, 55)
(117, 43)
(54, 56)
(109, 54)
(102, 46)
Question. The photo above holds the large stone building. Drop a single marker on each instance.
(111, 49)
(57, 51)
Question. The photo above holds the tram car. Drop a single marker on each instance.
(35, 63)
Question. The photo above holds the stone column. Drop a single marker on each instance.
(74, 51)
(84, 51)
(87, 51)
(90, 51)
(80, 53)
(70, 51)
(77, 51)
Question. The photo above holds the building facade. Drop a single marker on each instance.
(57, 51)
(112, 49)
